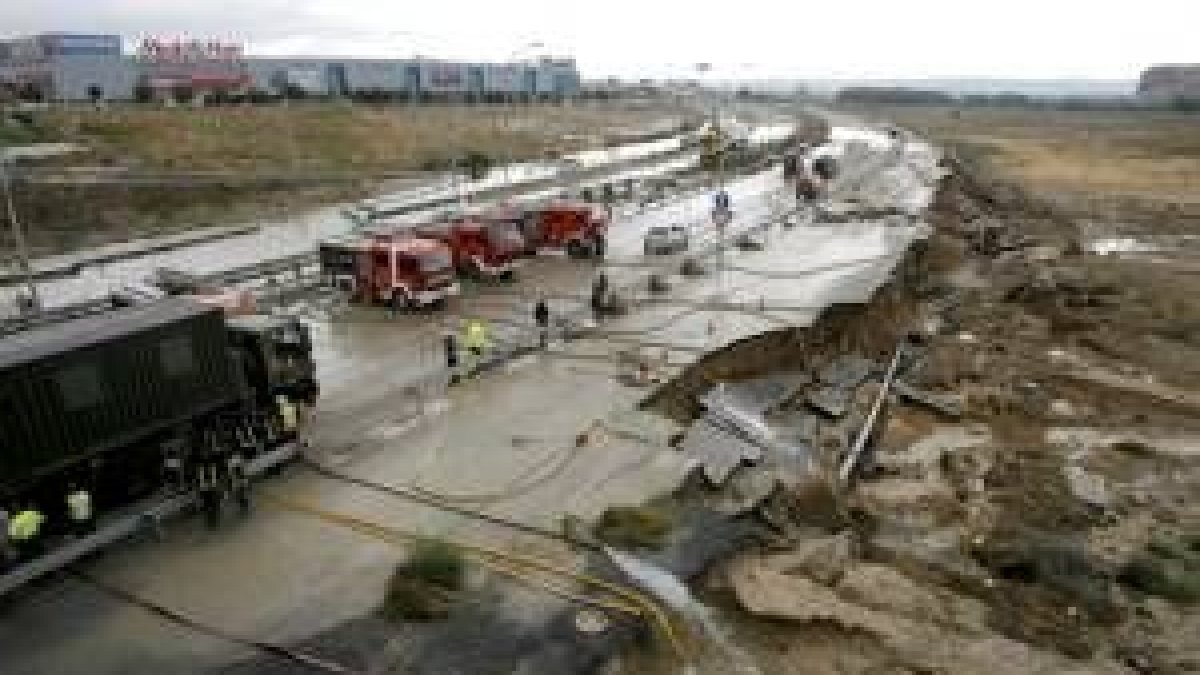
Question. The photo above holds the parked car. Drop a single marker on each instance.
(666, 239)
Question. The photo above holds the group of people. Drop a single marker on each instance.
(213, 462)
(476, 339)
(23, 530)
(219, 470)
(475, 335)
(219, 477)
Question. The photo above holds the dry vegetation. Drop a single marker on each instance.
(1143, 155)
(338, 137)
(276, 160)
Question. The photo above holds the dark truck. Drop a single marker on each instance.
(113, 401)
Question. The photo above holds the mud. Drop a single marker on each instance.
(1017, 533)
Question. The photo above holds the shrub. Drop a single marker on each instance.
(477, 164)
(1164, 578)
(410, 599)
(422, 587)
(634, 526)
(438, 563)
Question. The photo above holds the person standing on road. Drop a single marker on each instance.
(79, 510)
(239, 481)
(476, 341)
(7, 554)
(208, 476)
(599, 295)
(26, 304)
(541, 317)
(174, 478)
(450, 345)
(208, 483)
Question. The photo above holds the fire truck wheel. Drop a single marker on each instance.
(576, 249)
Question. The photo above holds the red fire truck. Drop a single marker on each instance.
(481, 249)
(395, 268)
(578, 228)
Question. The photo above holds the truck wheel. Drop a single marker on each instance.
(575, 249)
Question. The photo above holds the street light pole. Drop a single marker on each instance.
(511, 96)
(18, 234)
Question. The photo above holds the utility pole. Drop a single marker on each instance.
(18, 236)
(519, 70)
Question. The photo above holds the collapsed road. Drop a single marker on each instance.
(547, 436)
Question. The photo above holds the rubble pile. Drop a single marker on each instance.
(994, 525)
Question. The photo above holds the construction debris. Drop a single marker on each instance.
(948, 404)
(734, 431)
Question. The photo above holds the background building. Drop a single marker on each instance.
(74, 67)
(1171, 81)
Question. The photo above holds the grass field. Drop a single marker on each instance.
(357, 144)
(1149, 156)
(337, 137)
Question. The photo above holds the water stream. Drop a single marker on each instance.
(668, 589)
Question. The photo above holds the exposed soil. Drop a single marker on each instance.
(995, 541)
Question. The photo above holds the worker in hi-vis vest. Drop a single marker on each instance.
(288, 414)
(476, 339)
(24, 531)
(79, 510)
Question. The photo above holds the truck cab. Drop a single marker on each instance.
(409, 271)
(389, 266)
(578, 228)
(343, 264)
(276, 356)
(480, 249)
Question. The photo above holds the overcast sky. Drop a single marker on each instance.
(657, 38)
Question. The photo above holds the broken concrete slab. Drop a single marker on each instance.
(847, 371)
(734, 431)
(832, 401)
(718, 449)
(744, 491)
(950, 404)
(764, 394)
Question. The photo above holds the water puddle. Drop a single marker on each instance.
(1118, 245)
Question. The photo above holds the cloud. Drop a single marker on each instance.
(847, 38)
(251, 20)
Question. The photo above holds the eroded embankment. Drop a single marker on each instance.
(869, 329)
